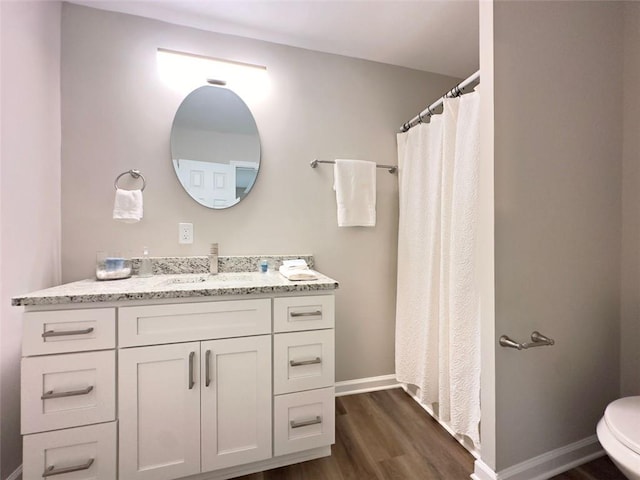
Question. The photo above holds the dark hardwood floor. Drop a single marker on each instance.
(387, 436)
(599, 469)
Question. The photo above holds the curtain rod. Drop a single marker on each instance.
(456, 91)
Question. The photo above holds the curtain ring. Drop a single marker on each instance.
(429, 110)
(420, 117)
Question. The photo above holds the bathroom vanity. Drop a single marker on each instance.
(177, 376)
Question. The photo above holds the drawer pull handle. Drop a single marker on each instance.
(295, 363)
(64, 333)
(51, 471)
(73, 393)
(207, 368)
(306, 314)
(192, 382)
(306, 423)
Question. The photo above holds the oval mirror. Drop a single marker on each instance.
(215, 147)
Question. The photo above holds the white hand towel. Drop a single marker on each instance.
(355, 186)
(296, 264)
(127, 206)
(297, 274)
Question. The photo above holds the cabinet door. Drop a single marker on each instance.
(304, 420)
(81, 453)
(61, 391)
(62, 331)
(159, 411)
(236, 401)
(303, 361)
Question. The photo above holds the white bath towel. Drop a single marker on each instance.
(127, 206)
(355, 186)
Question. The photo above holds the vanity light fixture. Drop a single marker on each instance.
(185, 72)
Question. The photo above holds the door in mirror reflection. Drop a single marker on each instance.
(215, 147)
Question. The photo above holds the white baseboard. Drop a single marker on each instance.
(482, 471)
(17, 474)
(546, 465)
(364, 385)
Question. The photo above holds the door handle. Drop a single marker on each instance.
(207, 368)
(306, 314)
(305, 423)
(192, 382)
(295, 363)
(51, 394)
(64, 333)
(52, 470)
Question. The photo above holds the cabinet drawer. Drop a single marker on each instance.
(88, 452)
(61, 391)
(304, 420)
(154, 324)
(303, 361)
(68, 331)
(292, 314)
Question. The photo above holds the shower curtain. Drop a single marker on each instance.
(437, 312)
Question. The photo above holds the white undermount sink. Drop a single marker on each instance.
(199, 279)
(189, 279)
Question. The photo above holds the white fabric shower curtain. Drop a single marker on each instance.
(437, 312)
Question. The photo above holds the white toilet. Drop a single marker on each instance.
(619, 435)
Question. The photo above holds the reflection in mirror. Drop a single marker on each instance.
(215, 147)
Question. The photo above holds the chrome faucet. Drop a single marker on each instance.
(213, 259)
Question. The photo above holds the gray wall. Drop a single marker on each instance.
(29, 187)
(558, 150)
(117, 115)
(630, 312)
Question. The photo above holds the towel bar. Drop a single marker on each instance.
(391, 168)
(135, 174)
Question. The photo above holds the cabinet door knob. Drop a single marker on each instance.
(192, 382)
(52, 470)
(296, 363)
(51, 394)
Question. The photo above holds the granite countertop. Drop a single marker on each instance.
(180, 285)
(171, 286)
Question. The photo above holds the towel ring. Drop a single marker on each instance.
(135, 174)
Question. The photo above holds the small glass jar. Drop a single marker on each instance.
(263, 266)
(112, 266)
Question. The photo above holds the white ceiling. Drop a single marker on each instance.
(433, 35)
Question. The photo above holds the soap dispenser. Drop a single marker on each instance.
(146, 268)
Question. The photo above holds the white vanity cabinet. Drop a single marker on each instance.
(303, 368)
(192, 407)
(68, 394)
(204, 389)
